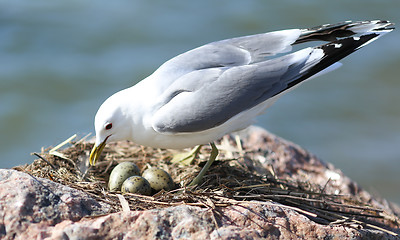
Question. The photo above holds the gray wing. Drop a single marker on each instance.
(214, 91)
(231, 52)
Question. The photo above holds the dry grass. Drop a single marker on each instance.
(229, 181)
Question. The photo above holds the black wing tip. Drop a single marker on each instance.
(371, 26)
(343, 47)
(380, 25)
(335, 51)
(333, 32)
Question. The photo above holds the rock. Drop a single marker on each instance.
(290, 160)
(35, 208)
(26, 201)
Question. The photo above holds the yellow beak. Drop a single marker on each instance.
(96, 151)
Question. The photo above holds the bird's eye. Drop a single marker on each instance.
(108, 126)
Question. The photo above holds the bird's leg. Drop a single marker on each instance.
(213, 156)
(186, 158)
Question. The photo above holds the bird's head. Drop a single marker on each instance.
(110, 124)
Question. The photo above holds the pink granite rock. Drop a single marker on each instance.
(26, 200)
(250, 221)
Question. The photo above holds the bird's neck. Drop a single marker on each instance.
(136, 107)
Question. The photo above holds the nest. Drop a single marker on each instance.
(229, 181)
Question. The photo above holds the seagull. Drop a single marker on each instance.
(199, 96)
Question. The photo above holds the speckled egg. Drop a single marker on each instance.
(120, 173)
(136, 184)
(158, 179)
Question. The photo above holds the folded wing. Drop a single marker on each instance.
(211, 84)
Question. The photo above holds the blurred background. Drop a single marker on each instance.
(59, 60)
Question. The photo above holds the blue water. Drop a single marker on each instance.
(59, 60)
